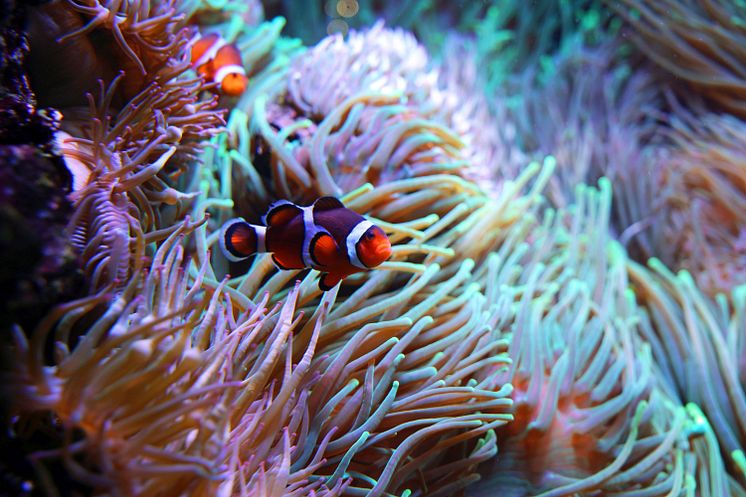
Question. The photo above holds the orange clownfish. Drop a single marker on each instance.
(325, 236)
(219, 61)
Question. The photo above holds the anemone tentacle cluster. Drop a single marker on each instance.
(126, 149)
(529, 336)
(706, 38)
(701, 170)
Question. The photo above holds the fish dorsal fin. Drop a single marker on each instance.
(323, 250)
(205, 48)
(328, 204)
(281, 212)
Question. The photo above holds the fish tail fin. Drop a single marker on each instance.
(239, 239)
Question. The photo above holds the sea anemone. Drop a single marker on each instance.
(420, 320)
(105, 38)
(593, 411)
(374, 124)
(169, 391)
(510, 345)
(704, 206)
(586, 415)
(699, 43)
(385, 115)
(431, 339)
(393, 384)
(390, 62)
(690, 214)
(698, 345)
(378, 59)
(126, 159)
(510, 36)
(588, 110)
(482, 120)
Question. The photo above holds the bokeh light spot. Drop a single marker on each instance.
(330, 8)
(337, 26)
(347, 8)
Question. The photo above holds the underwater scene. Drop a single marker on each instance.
(373, 248)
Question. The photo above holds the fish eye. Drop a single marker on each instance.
(369, 235)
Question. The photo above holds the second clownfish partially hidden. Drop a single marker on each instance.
(325, 236)
(219, 61)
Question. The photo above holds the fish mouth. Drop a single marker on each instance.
(383, 251)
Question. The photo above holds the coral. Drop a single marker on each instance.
(699, 43)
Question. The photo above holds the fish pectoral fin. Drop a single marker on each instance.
(281, 212)
(327, 281)
(283, 265)
(324, 250)
(328, 204)
(277, 263)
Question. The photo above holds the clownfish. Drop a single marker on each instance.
(220, 62)
(325, 236)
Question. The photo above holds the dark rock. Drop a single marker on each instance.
(39, 267)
